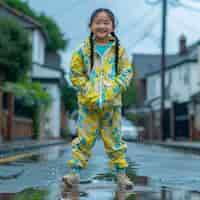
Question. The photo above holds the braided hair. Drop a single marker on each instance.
(112, 17)
(116, 51)
(91, 51)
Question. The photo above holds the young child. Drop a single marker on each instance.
(100, 71)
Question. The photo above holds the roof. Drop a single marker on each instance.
(30, 20)
(53, 67)
(148, 64)
(60, 80)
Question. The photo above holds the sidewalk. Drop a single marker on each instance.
(192, 147)
(24, 145)
(27, 145)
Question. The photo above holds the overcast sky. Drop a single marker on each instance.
(139, 23)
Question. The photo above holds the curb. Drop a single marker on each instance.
(182, 147)
(15, 149)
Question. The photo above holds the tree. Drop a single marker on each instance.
(56, 38)
(15, 49)
(15, 59)
(69, 98)
(129, 96)
(22, 6)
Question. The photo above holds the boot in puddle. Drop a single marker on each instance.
(124, 182)
(70, 183)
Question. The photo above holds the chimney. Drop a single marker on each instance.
(182, 45)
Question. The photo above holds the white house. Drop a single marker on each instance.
(182, 86)
(51, 78)
(45, 69)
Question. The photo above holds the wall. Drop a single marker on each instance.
(180, 83)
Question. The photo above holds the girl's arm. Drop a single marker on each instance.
(122, 80)
(125, 72)
(78, 76)
(80, 80)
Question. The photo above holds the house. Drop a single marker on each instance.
(182, 89)
(52, 79)
(45, 68)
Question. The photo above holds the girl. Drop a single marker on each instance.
(100, 71)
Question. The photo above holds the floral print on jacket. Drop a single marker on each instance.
(100, 87)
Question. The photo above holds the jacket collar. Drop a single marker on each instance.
(111, 38)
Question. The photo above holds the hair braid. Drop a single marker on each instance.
(116, 52)
(91, 51)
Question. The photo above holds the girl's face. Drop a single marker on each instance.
(102, 25)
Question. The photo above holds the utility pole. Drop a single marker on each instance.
(163, 64)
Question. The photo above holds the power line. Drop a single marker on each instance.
(74, 4)
(140, 20)
(156, 2)
(146, 33)
(175, 3)
(179, 3)
(155, 39)
(191, 8)
(187, 26)
(196, 1)
(152, 2)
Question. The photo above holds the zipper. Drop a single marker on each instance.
(101, 77)
(101, 74)
(101, 84)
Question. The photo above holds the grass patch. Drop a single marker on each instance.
(31, 194)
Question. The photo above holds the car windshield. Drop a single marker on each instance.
(126, 122)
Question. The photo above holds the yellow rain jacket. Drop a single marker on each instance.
(101, 87)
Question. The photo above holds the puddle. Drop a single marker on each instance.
(103, 186)
(29, 194)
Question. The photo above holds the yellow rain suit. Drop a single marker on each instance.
(100, 100)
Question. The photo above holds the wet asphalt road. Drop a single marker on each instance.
(159, 173)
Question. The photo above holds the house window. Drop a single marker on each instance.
(152, 88)
(186, 75)
(168, 85)
(157, 119)
(39, 49)
(45, 88)
(5, 103)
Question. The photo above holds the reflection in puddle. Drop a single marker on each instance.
(52, 153)
(29, 194)
(124, 195)
(103, 187)
(12, 176)
(91, 193)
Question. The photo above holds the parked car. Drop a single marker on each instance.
(72, 124)
(129, 131)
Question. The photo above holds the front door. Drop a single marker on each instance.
(181, 121)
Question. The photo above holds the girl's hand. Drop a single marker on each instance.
(111, 90)
(89, 96)
(107, 83)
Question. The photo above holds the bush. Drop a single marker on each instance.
(69, 97)
(56, 37)
(64, 133)
(15, 49)
(129, 96)
(33, 96)
(134, 118)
